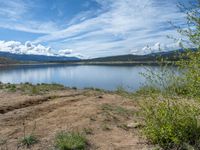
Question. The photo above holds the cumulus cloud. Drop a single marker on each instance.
(28, 48)
(160, 47)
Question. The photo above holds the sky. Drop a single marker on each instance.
(89, 28)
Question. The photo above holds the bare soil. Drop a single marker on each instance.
(109, 121)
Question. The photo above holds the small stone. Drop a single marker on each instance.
(100, 96)
(133, 125)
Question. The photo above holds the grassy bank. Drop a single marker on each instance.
(31, 89)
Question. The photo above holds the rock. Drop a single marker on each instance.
(133, 125)
(100, 96)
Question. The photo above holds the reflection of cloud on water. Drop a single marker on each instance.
(26, 75)
(107, 77)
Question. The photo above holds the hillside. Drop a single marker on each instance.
(37, 58)
(170, 56)
(4, 60)
(9, 58)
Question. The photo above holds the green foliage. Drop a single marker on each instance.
(191, 67)
(172, 124)
(193, 22)
(163, 80)
(3, 144)
(122, 92)
(10, 87)
(181, 79)
(187, 81)
(70, 141)
(190, 80)
(29, 140)
(28, 88)
(147, 90)
(31, 89)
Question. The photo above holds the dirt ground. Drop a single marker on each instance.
(108, 120)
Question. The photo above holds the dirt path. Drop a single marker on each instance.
(104, 118)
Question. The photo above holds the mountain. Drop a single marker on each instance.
(4, 60)
(37, 58)
(170, 56)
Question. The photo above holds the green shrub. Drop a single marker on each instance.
(191, 65)
(12, 88)
(29, 140)
(124, 93)
(187, 81)
(147, 90)
(190, 78)
(31, 89)
(70, 141)
(172, 124)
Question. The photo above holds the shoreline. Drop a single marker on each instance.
(134, 63)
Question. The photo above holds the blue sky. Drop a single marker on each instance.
(88, 28)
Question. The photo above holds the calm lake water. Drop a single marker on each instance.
(80, 76)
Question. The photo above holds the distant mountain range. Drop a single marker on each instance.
(170, 56)
(37, 58)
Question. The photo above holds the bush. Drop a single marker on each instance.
(187, 83)
(172, 124)
(29, 140)
(70, 141)
(31, 89)
(191, 75)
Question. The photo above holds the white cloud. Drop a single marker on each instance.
(14, 15)
(122, 26)
(160, 47)
(27, 48)
(12, 9)
(30, 26)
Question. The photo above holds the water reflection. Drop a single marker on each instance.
(80, 76)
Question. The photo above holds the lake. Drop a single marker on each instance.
(81, 76)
